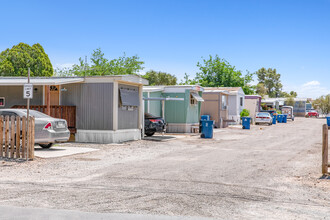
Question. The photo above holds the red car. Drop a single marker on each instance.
(312, 113)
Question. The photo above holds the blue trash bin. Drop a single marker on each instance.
(280, 118)
(207, 129)
(285, 117)
(274, 119)
(205, 117)
(328, 120)
(246, 121)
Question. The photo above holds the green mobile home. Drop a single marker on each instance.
(179, 105)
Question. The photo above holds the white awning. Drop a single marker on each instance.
(39, 81)
(197, 97)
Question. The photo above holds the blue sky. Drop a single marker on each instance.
(172, 36)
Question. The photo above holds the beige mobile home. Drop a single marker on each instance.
(216, 105)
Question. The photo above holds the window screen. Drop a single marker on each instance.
(241, 101)
(224, 102)
(129, 97)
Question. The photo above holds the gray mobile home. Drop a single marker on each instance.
(99, 109)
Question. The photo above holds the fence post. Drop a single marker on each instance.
(18, 136)
(23, 136)
(1, 135)
(6, 135)
(31, 139)
(325, 149)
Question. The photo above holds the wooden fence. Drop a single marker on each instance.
(325, 149)
(16, 137)
(57, 111)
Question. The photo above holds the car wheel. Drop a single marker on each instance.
(46, 145)
(149, 134)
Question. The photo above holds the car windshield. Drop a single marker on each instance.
(37, 114)
(313, 111)
(263, 114)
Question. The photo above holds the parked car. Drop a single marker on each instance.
(312, 113)
(153, 124)
(263, 118)
(271, 112)
(48, 130)
(288, 110)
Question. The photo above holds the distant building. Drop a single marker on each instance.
(299, 108)
(236, 98)
(253, 104)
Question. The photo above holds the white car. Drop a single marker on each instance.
(263, 118)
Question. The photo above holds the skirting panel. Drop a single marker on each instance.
(107, 137)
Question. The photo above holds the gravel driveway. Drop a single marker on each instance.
(268, 172)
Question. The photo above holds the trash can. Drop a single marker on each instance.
(207, 129)
(328, 120)
(280, 118)
(246, 121)
(274, 119)
(203, 118)
(285, 118)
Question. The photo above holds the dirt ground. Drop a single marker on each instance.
(268, 172)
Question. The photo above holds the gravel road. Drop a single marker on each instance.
(268, 172)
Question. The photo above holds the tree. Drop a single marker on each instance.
(187, 81)
(217, 72)
(292, 94)
(160, 78)
(261, 89)
(271, 81)
(290, 101)
(101, 66)
(15, 61)
(322, 103)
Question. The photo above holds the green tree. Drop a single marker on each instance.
(261, 89)
(271, 81)
(187, 81)
(290, 101)
(15, 61)
(217, 72)
(101, 66)
(160, 78)
(322, 103)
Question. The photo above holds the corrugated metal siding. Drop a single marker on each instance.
(14, 96)
(127, 119)
(94, 102)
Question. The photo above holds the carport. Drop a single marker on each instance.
(98, 109)
(46, 96)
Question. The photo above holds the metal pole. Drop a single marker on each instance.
(163, 113)
(28, 120)
(143, 118)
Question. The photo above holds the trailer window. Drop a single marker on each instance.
(2, 102)
(223, 102)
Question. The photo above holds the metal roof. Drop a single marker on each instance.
(18, 81)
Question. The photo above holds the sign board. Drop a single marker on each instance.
(28, 91)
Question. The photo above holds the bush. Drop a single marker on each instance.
(245, 113)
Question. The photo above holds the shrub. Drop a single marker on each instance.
(245, 113)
